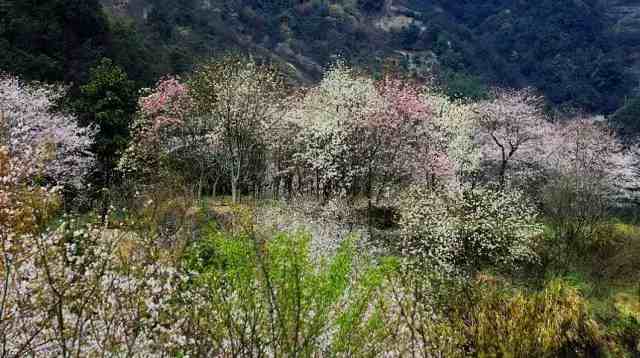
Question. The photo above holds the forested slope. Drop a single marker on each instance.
(573, 51)
(579, 53)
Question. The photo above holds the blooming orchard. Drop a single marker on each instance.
(451, 188)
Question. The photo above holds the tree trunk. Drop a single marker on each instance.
(215, 185)
(234, 190)
(503, 171)
(200, 185)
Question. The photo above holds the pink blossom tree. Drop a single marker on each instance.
(216, 125)
(161, 115)
(407, 142)
(171, 137)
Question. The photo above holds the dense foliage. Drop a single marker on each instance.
(564, 48)
(51, 40)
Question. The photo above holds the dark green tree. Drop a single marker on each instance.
(627, 118)
(371, 6)
(51, 40)
(108, 102)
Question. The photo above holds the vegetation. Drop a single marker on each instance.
(368, 209)
(358, 217)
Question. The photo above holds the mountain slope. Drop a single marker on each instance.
(563, 47)
(625, 23)
(580, 53)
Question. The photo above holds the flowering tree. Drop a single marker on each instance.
(584, 167)
(455, 123)
(457, 233)
(511, 126)
(628, 178)
(74, 292)
(585, 147)
(160, 116)
(357, 135)
(327, 116)
(239, 100)
(41, 142)
(405, 138)
(216, 124)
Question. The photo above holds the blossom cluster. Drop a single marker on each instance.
(457, 232)
(357, 134)
(87, 291)
(41, 142)
(161, 113)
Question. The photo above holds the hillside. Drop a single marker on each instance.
(221, 215)
(625, 17)
(579, 53)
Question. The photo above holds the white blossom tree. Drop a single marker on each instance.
(240, 100)
(42, 142)
(512, 127)
(456, 121)
(584, 169)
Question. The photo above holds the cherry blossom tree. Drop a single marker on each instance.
(160, 116)
(359, 136)
(404, 138)
(42, 143)
(512, 126)
(585, 147)
(629, 178)
(584, 168)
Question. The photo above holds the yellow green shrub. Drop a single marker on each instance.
(547, 323)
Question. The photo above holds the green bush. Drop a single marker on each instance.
(249, 297)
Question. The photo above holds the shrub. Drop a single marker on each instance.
(248, 297)
(550, 323)
(84, 290)
(458, 233)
